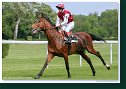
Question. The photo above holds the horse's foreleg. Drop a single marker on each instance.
(49, 57)
(42, 70)
(67, 65)
(89, 62)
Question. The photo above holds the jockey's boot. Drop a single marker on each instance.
(73, 39)
(68, 40)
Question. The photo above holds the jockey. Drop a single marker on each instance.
(65, 21)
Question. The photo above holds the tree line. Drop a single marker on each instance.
(17, 18)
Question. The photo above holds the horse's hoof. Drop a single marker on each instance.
(69, 76)
(108, 67)
(37, 76)
(93, 74)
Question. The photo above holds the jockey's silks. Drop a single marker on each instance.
(62, 14)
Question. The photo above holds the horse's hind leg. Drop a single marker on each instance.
(89, 62)
(99, 55)
(92, 51)
(49, 57)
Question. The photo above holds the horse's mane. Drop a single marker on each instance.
(48, 19)
(53, 24)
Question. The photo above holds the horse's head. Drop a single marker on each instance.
(39, 25)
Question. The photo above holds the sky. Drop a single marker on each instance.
(84, 8)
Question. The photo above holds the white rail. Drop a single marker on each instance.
(45, 42)
(23, 42)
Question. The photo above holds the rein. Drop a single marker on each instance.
(43, 28)
(44, 25)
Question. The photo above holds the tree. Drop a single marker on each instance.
(109, 21)
(18, 17)
(16, 11)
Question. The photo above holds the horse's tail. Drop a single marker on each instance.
(97, 38)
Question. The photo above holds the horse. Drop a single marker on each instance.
(57, 46)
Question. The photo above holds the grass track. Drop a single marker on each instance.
(25, 61)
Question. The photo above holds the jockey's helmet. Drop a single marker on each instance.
(60, 6)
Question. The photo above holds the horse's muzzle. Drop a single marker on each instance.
(34, 31)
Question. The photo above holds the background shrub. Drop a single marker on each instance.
(5, 49)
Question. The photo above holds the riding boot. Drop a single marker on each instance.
(68, 40)
(73, 39)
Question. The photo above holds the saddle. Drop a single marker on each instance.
(70, 39)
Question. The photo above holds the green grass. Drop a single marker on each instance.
(25, 61)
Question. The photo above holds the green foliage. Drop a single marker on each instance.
(29, 38)
(5, 49)
(26, 11)
(105, 25)
(109, 21)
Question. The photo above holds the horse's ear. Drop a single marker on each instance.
(42, 14)
(39, 16)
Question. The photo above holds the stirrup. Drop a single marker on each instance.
(68, 42)
(72, 41)
(65, 38)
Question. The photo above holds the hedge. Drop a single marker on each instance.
(5, 49)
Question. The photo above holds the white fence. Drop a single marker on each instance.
(45, 42)
(23, 42)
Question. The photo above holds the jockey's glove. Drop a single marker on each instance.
(57, 26)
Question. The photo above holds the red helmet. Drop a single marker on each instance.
(60, 6)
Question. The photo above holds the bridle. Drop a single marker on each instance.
(44, 27)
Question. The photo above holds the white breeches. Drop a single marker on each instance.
(68, 27)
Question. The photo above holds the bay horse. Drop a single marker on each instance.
(57, 46)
